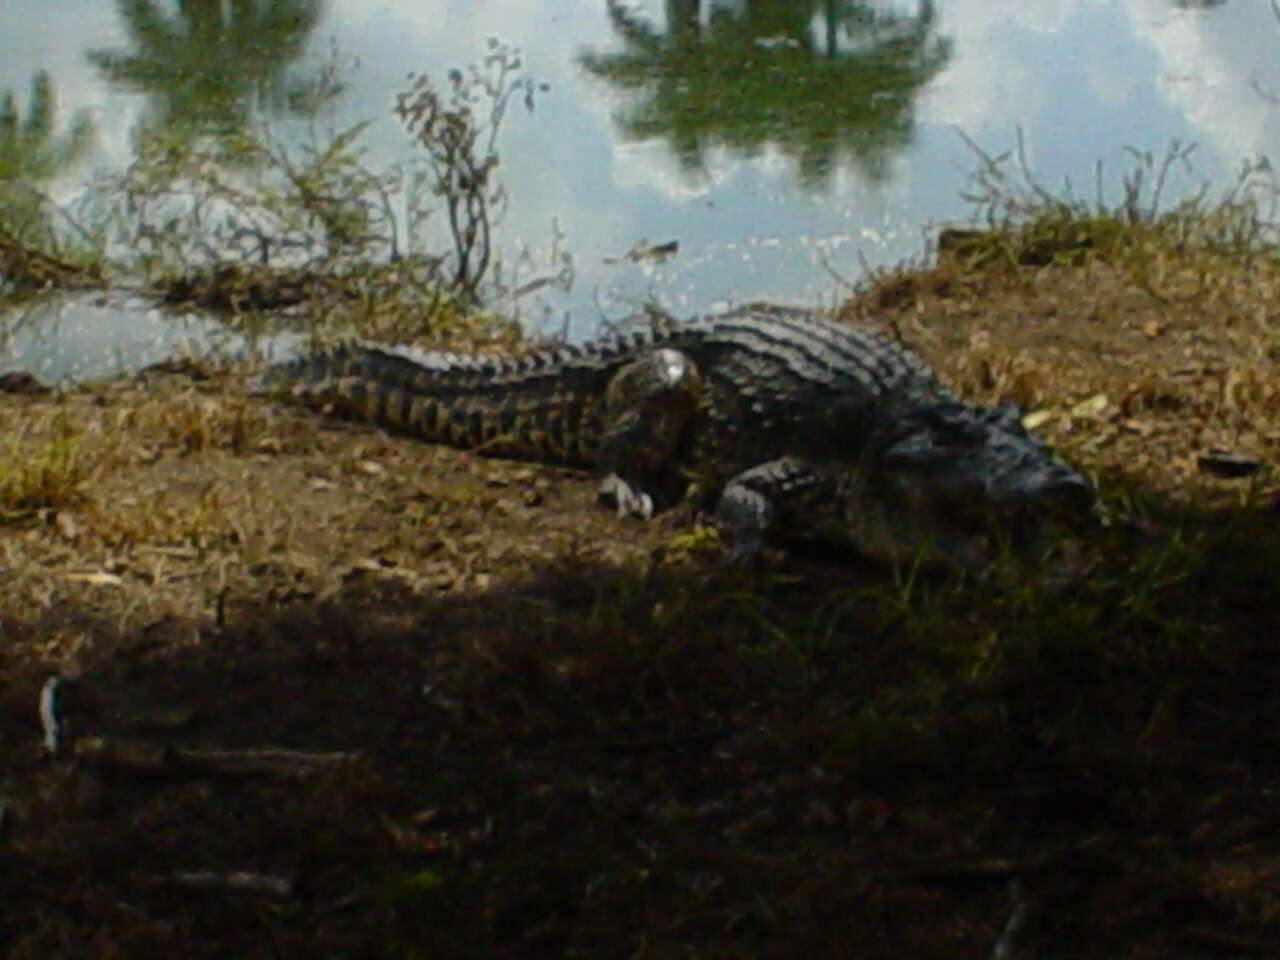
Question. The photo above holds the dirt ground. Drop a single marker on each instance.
(329, 692)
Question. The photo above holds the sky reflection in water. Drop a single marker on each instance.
(781, 143)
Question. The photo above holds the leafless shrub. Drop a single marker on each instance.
(459, 129)
(1007, 194)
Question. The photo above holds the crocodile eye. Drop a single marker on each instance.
(915, 449)
(955, 432)
(932, 445)
(963, 434)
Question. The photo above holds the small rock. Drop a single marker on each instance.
(19, 381)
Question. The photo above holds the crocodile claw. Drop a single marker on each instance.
(744, 550)
(630, 502)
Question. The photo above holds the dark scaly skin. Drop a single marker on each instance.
(798, 421)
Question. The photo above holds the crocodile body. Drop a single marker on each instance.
(796, 422)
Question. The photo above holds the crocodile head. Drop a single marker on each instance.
(954, 478)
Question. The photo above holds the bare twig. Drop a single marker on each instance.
(143, 756)
(835, 275)
(966, 871)
(459, 131)
(1229, 942)
(233, 881)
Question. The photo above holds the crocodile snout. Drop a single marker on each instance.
(1037, 483)
(1068, 491)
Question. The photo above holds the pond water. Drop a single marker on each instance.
(785, 145)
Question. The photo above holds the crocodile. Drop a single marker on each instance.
(787, 422)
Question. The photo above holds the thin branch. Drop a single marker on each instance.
(233, 881)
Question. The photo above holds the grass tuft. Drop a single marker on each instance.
(49, 475)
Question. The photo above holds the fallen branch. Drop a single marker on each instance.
(1228, 942)
(964, 871)
(143, 756)
(233, 881)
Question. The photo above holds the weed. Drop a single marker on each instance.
(241, 223)
(1031, 224)
(49, 475)
(459, 132)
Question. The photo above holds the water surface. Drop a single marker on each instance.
(785, 145)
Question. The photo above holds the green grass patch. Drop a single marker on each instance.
(49, 475)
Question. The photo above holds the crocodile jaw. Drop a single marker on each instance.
(913, 528)
(964, 481)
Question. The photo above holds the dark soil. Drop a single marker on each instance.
(328, 692)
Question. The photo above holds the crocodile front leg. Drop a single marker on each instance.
(751, 502)
(647, 407)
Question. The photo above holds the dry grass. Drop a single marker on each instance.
(1135, 357)
(573, 736)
